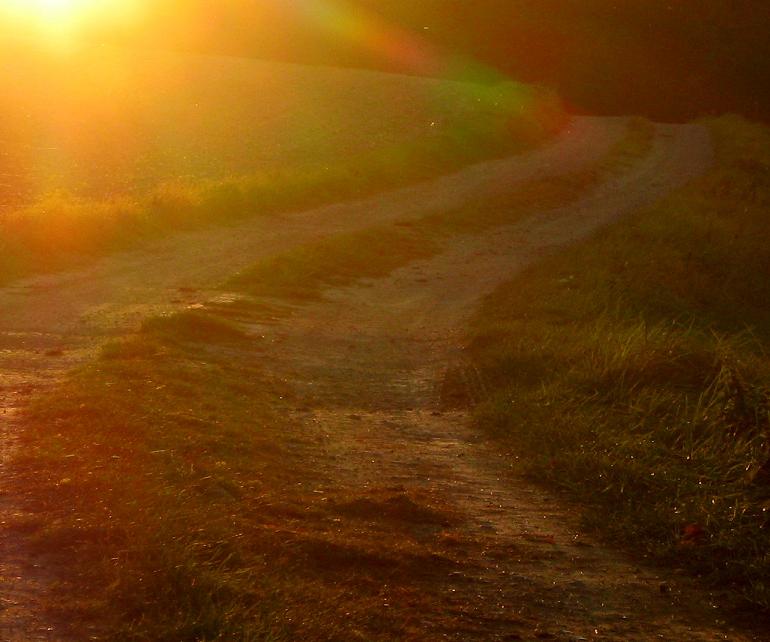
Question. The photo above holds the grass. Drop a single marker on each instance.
(632, 372)
(177, 501)
(166, 484)
(160, 502)
(137, 145)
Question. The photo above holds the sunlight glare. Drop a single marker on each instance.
(57, 6)
(51, 9)
(61, 17)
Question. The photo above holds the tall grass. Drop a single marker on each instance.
(632, 372)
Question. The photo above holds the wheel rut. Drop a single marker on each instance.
(51, 324)
(403, 475)
(404, 485)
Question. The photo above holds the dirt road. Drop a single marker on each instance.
(70, 313)
(369, 361)
(509, 562)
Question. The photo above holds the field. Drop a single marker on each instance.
(105, 147)
(106, 150)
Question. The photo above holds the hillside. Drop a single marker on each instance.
(284, 456)
(105, 147)
(666, 60)
(103, 121)
(376, 320)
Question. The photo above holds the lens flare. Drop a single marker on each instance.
(57, 19)
(49, 9)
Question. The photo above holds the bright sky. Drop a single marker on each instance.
(60, 19)
(49, 10)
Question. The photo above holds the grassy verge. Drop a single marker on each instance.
(155, 462)
(62, 228)
(160, 478)
(632, 372)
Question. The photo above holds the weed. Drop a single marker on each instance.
(638, 381)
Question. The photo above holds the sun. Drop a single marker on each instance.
(50, 15)
(57, 20)
(57, 6)
(51, 9)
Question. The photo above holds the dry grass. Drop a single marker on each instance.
(632, 372)
(177, 502)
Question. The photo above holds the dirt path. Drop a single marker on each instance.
(412, 486)
(67, 315)
(369, 361)
(51, 324)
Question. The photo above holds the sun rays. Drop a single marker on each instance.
(58, 21)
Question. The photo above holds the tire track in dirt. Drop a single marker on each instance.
(368, 359)
(51, 324)
(474, 553)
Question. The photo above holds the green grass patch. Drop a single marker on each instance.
(193, 326)
(632, 372)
